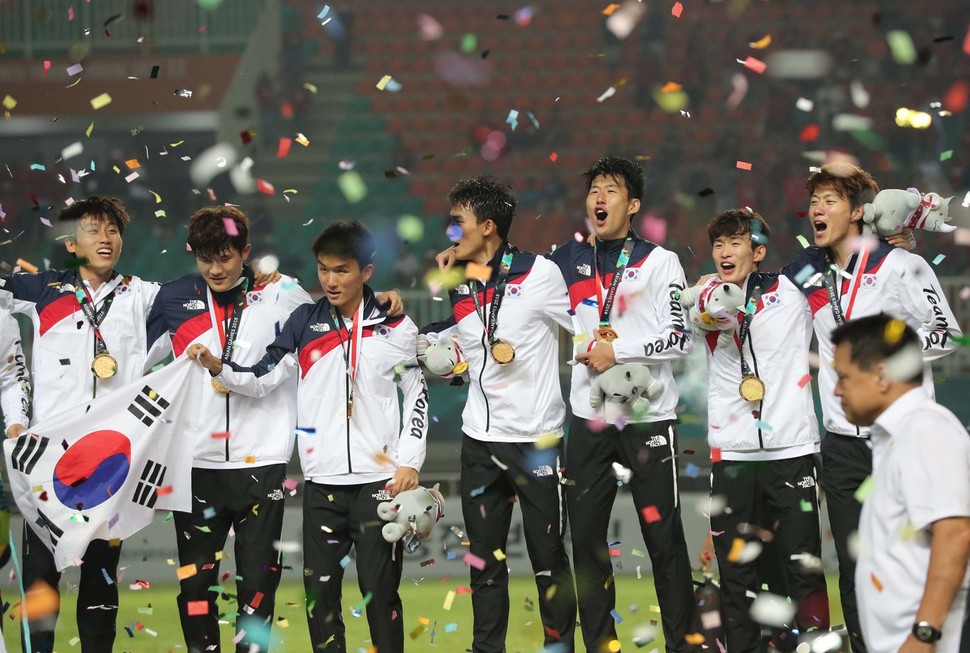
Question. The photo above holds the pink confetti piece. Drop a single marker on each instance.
(75, 69)
(553, 157)
(743, 165)
(290, 484)
(802, 382)
(47, 66)
(230, 226)
(757, 65)
(132, 177)
(70, 13)
(473, 560)
(677, 10)
(238, 637)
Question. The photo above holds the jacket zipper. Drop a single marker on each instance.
(481, 374)
(350, 467)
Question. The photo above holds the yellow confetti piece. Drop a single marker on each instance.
(695, 639)
(132, 164)
(186, 571)
(250, 459)
(579, 337)
(802, 240)
(424, 621)
(499, 555)
(116, 169)
(310, 87)
(218, 555)
(551, 592)
(610, 8)
(160, 213)
(101, 101)
(547, 441)
(737, 546)
(282, 622)
(89, 129)
(9, 103)
(158, 198)
(449, 599)
(385, 80)
(865, 488)
(894, 331)
(761, 43)
(876, 582)
(302, 140)
(655, 608)
(290, 190)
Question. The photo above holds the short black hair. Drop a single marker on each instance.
(488, 198)
(208, 234)
(98, 207)
(621, 169)
(877, 338)
(739, 222)
(346, 240)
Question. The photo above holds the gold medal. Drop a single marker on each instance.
(502, 352)
(752, 388)
(218, 387)
(104, 366)
(460, 368)
(608, 333)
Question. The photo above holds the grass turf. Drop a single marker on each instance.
(424, 614)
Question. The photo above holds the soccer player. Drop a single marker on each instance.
(241, 444)
(89, 338)
(348, 357)
(506, 319)
(761, 419)
(843, 278)
(914, 533)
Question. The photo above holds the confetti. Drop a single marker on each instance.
(197, 608)
(352, 186)
(864, 489)
(75, 69)
(677, 10)
(616, 616)
(715, 455)
(946, 155)
(804, 242)
(743, 165)
(650, 514)
(283, 149)
(9, 103)
(186, 572)
(610, 8)
(449, 600)
(756, 65)
(499, 554)
(473, 560)
(901, 46)
(100, 101)
(875, 581)
(761, 43)
(608, 93)
(805, 380)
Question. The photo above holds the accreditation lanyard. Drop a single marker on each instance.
(233, 314)
(350, 348)
(854, 283)
(491, 325)
(607, 305)
(750, 309)
(94, 318)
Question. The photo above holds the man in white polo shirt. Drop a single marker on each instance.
(914, 533)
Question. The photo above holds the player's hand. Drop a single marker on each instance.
(202, 354)
(706, 556)
(266, 278)
(600, 357)
(405, 478)
(14, 430)
(446, 259)
(905, 239)
(393, 301)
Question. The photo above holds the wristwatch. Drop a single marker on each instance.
(925, 632)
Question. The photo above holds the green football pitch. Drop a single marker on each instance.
(152, 618)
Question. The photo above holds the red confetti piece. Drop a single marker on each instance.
(265, 187)
(162, 491)
(553, 157)
(47, 66)
(284, 148)
(955, 98)
(966, 42)
(552, 632)
(677, 10)
(757, 65)
(222, 435)
(286, 110)
(197, 608)
(743, 165)
(715, 455)
(810, 133)
(461, 589)
(802, 382)
(689, 452)
(257, 599)
(246, 136)
(616, 553)
(650, 514)
(139, 625)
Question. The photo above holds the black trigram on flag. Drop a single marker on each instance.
(151, 479)
(147, 406)
(27, 452)
(45, 522)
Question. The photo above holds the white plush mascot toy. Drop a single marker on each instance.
(713, 307)
(893, 210)
(442, 357)
(628, 384)
(411, 515)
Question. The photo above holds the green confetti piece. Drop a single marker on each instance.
(807, 506)
(468, 43)
(946, 156)
(804, 241)
(148, 611)
(637, 552)
(216, 588)
(870, 139)
(864, 489)
(764, 426)
(352, 186)
(901, 46)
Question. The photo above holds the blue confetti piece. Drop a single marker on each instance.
(323, 12)
(345, 561)
(692, 470)
(450, 628)
(476, 491)
(451, 555)
(306, 431)
(209, 512)
(939, 259)
(37, 166)
(513, 119)
(107, 578)
(616, 616)
(804, 274)
(764, 426)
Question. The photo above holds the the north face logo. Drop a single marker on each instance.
(275, 495)
(320, 327)
(382, 495)
(657, 441)
(806, 482)
(584, 269)
(194, 305)
(462, 289)
(542, 470)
